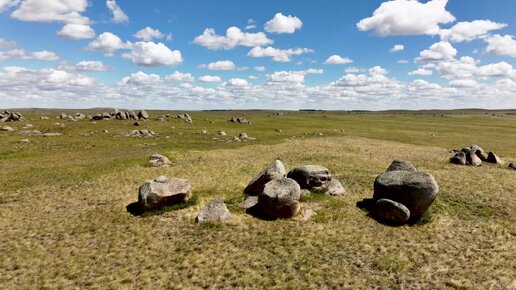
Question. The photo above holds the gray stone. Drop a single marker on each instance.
(249, 202)
(402, 165)
(311, 177)
(215, 211)
(158, 160)
(308, 214)
(473, 159)
(243, 136)
(390, 212)
(493, 158)
(512, 165)
(164, 191)
(335, 188)
(221, 133)
(280, 198)
(6, 128)
(459, 158)
(415, 190)
(275, 171)
(143, 115)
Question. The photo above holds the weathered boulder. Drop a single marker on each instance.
(142, 114)
(280, 198)
(473, 159)
(215, 211)
(390, 212)
(131, 115)
(164, 191)
(158, 160)
(311, 177)
(402, 165)
(239, 120)
(493, 158)
(459, 158)
(221, 133)
(275, 171)
(476, 148)
(335, 188)
(416, 190)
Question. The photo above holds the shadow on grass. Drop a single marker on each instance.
(367, 205)
(136, 210)
(256, 212)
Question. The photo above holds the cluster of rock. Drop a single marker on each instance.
(185, 117)
(122, 115)
(474, 156)
(401, 194)
(140, 133)
(278, 193)
(7, 116)
(240, 120)
(75, 117)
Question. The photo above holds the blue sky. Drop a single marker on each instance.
(76, 54)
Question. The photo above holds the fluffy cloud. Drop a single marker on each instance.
(291, 77)
(440, 51)
(180, 77)
(210, 79)
(397, 47)
(407, 17)
(140, 78)
(337, 59)
(466, 68)
(22, 54)
(52, 11)
(283, 24)
(6, 4)
(86, 65)
(76, 31)
(279, 55)
(118, 15)
(148, 34)
(153, 54)
(501, 45)
(234, 37)
(378, 70)
(108, 42)
(421, 72)
(236, 82)
(467, 31)
(220, 65)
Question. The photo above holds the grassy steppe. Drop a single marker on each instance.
(65, 225)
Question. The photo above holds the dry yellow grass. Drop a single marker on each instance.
(77, 233)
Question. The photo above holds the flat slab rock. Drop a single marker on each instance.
(249, 202)
(275, 171)
(280, 198)
(390, 212)
(415, 190)
(163, 191)
(214, 211)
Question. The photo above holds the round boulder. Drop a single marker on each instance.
(215, 211)
(164, 191)
(415, 190)
(390, 212)
(275, 171)
(311, 177)
(402, 165)
(280, 198)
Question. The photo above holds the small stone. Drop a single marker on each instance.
(308, 214)
(249, 202)
(390, 212)
(158, 160)
(215, 211)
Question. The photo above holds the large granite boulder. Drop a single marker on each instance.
(311, 177)
(163, 191)
(280, 198)
(402, 165)
(215, 211)
(275, 171)
(415, 190)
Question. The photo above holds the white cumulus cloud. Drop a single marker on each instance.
(118, 14)
(397, 47)
(153, 54)
(283, 24)
(467, 31)
(210, 79)
(337, 59)
(421, 72)
(501, 45)
(108, 42)
(52, 11)
(86, 65)
(148, 34)
(279, 55)
(440, 51)
(76, 31)
(233, 38)
(180, 77)
(407, 17)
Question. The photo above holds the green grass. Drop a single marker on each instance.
(65, 224)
